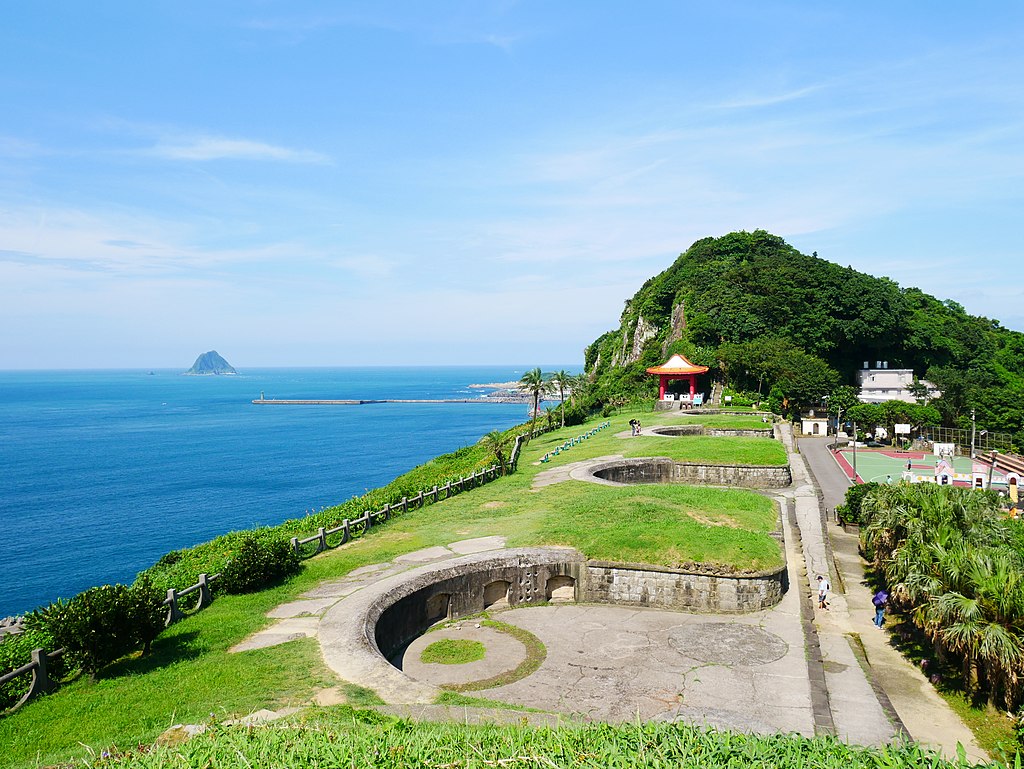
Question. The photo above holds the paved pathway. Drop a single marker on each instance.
(924, 714)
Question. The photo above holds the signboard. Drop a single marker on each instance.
(901, 429)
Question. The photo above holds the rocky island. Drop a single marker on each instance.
(209, 364)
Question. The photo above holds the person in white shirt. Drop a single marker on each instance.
(823, 588)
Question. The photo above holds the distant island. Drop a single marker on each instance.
(209, 364)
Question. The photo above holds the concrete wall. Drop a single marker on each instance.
(663, 470)
(643, 585)
(469, 589)
(675, 431)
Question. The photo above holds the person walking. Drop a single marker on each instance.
(880, 599)
(823, 589)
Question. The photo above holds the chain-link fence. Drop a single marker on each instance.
(984, 440)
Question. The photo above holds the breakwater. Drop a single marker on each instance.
(351, 402)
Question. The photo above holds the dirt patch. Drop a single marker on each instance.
(493, 505)
(701, 518)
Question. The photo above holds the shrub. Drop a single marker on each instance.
(576, 414)
(95, 627)
(849, 511)
(259, 561)
(15, 651)
(148, 612)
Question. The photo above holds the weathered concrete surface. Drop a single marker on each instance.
(611, 663)
(348, 631)
(923, 712)
(858, 714)
(301, 618)
(503, 654)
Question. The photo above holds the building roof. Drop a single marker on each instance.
(677, 364)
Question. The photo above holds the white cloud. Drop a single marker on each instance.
(220, 148)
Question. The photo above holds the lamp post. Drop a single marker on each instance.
(992, 467)
(973, 426)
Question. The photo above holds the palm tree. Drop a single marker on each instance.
(535, 383)
(496, 442)
(562, 380)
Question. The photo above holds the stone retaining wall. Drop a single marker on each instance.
(676, 431)
(652, 586)
(664, 470)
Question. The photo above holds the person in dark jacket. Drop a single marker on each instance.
(880, 599)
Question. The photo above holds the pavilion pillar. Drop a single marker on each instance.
(661, 387)
(693, 386)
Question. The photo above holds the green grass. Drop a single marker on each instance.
(453, 651)
(190, 674)
(342, 737)
(723, 421)
(673, 526)
(708, 449)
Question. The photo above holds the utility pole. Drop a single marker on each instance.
(992, 467)
(855, 452)
(973, 426)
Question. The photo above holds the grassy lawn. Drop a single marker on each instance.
(712, 450)
(190, 675)
(723, 421)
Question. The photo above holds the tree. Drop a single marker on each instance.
(562, 380)
(535, 383)
(496, 442)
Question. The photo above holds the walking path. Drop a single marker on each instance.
(923, 713)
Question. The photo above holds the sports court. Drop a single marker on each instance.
(874, 465)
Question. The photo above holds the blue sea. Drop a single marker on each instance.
(102, 472)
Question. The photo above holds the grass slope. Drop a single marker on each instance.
(343, 737)
(190, 674)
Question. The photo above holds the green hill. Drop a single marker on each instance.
(726, 302)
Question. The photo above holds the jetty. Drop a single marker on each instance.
(351, 402)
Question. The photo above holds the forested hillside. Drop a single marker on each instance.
(766, 317)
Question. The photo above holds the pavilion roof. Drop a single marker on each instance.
(677, 364)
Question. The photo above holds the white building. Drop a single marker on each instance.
(881, 384)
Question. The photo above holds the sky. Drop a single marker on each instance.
(364, 183)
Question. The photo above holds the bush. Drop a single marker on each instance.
(849, 511)
(15, 651)
(259, 561)
(148, 611)
(94, 627)
(576, 414)
(102, 624)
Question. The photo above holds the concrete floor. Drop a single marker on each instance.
(611, 663)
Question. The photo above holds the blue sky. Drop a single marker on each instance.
(302, 183)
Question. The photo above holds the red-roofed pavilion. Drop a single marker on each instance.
(677, 367)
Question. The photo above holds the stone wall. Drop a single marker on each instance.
(664, 470)
(676, 431)
(465, 587)
(644, 585)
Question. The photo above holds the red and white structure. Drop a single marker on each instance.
(677, 367)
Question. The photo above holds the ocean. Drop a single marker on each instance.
(102, 472)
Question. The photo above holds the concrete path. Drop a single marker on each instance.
(923, 713)
(301, 618)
